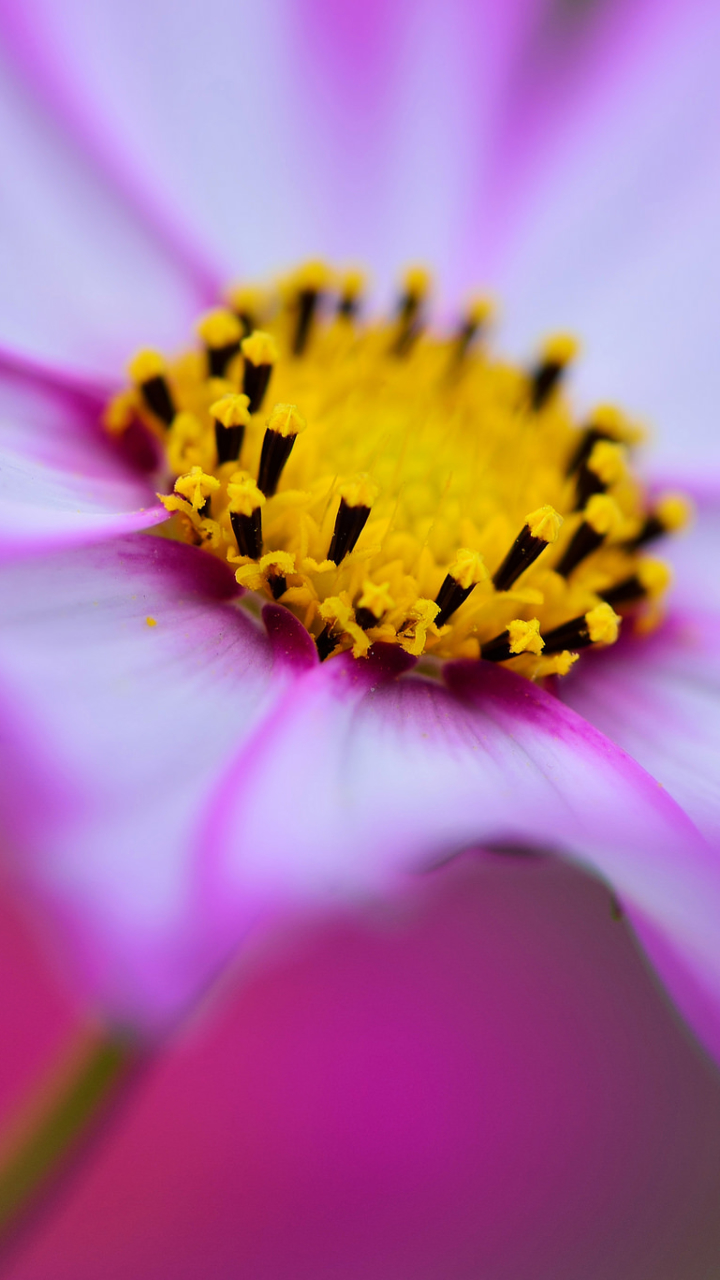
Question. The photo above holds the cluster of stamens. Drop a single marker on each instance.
(389, 485)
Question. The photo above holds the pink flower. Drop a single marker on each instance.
(170, 790)
(492, 1086)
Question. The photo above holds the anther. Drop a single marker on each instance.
(356, 499)
(462, 577)
(196, 488)
(325, 642)
(260, 354)
(337, 615)
(476, 319)
(598, 626)
(519, 637)
(606, 423)
(350, 291)
(557, 352)
(309, 283)
(540, 529)
(231, 415)
(221, 332)
(373, 603)
(409, 322)
(277, 583)
(671, 513)
(651, 579)
(284, 425)
(605, 465)
(601, 518)
(148, 371)
(245, 507)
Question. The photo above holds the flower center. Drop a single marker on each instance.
(388, 484)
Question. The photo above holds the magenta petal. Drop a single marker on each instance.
(62, 480)
(488, 1087)
(356, 781)
(113, 733)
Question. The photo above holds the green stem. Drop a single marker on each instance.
(58, 1118)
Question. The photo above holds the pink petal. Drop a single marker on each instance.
(259, 791)
(196, 108)
(114, 732)
(86, 280)
(62, 480)
(620, 243)
(380, 132)
(488, 1086)
(38, 1018)
(695, 553)
(354, 781)
(659, 699)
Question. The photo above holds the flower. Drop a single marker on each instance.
(483, 1088)
(177, 778)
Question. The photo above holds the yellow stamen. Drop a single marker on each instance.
(607, 461)
(260, 348)
(468, 568)
(120, 411)
(560, 348)
(603, 624)
(557, 664)
(352, 283)
(231, 410)
(286, 420)
(376, 598)
(244, 495)
(147, 365)
(196, 486)
(360, 492)
(674, 511)
(602, 514)
(655, 577)
(545, 523)
(524, 637)
(219, 328)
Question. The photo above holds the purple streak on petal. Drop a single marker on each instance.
(619, 242)
(198, 97)
(63, 481)
(63, 97)
(345, 76)
(115, 734)
(84, 284)
(58, 379)
(565, 68)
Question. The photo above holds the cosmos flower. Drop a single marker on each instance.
(178, 776)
